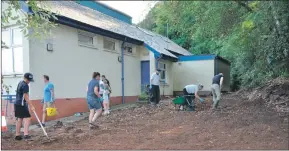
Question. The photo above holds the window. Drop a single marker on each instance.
(85, 39)
(108, 44)
(12, 57)
(162, 67)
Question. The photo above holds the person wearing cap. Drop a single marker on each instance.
(48, 99)
(21, 107)
(191, 93)
(216, 89)
(155, 87)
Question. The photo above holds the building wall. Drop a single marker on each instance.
(13, 79)
(70, 65)
(167, 89)
(225, 69)
(193, 72)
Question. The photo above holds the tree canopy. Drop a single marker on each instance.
(253, 36)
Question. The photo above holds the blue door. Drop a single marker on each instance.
(145, 74)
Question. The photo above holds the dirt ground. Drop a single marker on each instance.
(240, 124)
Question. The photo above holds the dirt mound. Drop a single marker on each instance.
(275, 94)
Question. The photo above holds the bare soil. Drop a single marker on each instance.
(240, 124)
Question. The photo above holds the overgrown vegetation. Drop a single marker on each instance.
(253, 35)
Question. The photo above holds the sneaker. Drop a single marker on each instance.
(18, 138)
(42, 125)
(27, 138)
(181, 107)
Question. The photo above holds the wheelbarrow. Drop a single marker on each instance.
(181, 101)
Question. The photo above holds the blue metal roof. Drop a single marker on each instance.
(106, 10)
(203, 57)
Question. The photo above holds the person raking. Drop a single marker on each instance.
(155, 88)
(216, 89)
(22, 106)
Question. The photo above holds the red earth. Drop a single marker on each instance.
(239, 124)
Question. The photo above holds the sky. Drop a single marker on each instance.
(136, 9)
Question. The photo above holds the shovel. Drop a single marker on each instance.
(41, 126)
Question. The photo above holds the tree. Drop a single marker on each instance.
(253, 35)
(35, 24)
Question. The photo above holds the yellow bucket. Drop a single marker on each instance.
(51, 111)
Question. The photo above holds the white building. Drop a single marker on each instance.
(90, 37)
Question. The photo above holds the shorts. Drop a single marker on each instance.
(93, 103)
(21, 111)
(47, 105)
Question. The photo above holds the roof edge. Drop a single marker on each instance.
(105, 5)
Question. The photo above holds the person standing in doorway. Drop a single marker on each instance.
(94, 99)
(48, 99)
(155, 88)
(22, 106)
(216, 89)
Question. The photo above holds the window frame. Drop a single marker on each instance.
(109, 40)
(13, 46)
(163, 69)
(80, 33)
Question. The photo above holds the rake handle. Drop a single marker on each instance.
(40, 124)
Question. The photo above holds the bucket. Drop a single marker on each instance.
(51, 111)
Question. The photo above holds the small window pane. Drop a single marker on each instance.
(6, 37)
(110, 45)
(17, 36)
(85, 39)
(7, 62)
(18, 60)
(163, 74)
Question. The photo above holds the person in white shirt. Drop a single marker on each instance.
(101, 90)
(155, 87)
(191, 93)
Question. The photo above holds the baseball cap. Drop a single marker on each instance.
(29, 77)
(158, 69)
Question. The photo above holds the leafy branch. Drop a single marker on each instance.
(35, 24)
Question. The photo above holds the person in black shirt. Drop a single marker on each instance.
(21, 107)
(216, 89)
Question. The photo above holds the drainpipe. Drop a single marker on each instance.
(122, 70)
(158, 59)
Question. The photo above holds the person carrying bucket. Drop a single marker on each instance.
(191, 93)
(48, 99)
(21, 105)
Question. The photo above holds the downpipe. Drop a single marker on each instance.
(122, 70)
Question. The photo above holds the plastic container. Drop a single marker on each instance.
(51, 111)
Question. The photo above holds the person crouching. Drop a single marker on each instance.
(191, 93)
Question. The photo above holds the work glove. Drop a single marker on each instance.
(202, 100)
(150, 86)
